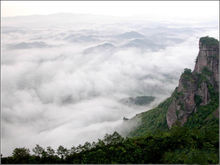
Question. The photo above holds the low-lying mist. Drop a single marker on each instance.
(63, 85)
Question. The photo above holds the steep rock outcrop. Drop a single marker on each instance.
(193, 88)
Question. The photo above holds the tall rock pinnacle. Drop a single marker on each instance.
(193, 86)
(208, 56)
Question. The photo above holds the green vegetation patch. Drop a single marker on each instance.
(206, 71)
(209, 41)
(143, 100)
(203, 77)
(152, 120)
(198, 100)
(187, 77)
(199, 118)
(179, 145)
(139, 100)
(177, 94)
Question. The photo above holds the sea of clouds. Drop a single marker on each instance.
(63, 75)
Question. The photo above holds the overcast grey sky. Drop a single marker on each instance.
(195, 10)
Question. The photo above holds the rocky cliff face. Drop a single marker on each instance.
(194, 87)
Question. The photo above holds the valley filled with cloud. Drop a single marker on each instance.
(64, 75)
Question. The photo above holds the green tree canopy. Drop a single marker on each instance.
(38, 150)
(21, 152)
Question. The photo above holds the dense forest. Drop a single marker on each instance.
(195, 141)
(179, 145)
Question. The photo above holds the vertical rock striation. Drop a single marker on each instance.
(193, 86)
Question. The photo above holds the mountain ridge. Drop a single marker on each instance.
(195, 89)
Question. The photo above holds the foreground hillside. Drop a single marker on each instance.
(182, 129)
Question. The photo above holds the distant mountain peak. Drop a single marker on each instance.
(102, 47)
(131, 35)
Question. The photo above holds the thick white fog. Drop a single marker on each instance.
(63, 75)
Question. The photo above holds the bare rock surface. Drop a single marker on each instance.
(191, 89)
